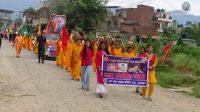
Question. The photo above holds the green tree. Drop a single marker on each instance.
(192, 31)
(30, 12)
(82, 14)
(188, 23)
(1, 24)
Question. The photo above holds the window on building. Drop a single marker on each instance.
(119, 15)
(124, 14)
(164, 16)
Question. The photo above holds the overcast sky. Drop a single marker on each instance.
(19, 5)
(169, 5)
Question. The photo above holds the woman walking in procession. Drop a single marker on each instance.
(152, 78)
(102, 50)
(86, 64)
(142, 54)
(76, 68)
(18, 43)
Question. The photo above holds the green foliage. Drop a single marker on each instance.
(25, 30)
(181, 69)
(30, 12)
(191, 51)
(173, 78)
(187, 61)
(196, 90)
(91, 35)
(180, 41)
(162, 10)
(84, 14)
(159, 44)
(193, 31)
(1, 24)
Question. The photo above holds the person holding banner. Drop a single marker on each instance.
(142, 54)
(86, 64)
(102, 50)
(152, 78)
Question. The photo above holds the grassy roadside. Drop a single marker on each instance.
(181, 70)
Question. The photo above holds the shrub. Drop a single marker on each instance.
(191, 51)
(173, 78)
(187, 61)
(196, 90)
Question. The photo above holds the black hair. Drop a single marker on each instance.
(148, 45)
(106, 49)
(129, 48)
(85, 48)
(70, 31)
(143, 48)
(77, 39)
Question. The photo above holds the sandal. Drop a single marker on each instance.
(100, 95)
(149, 99)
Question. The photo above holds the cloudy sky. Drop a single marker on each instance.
(19, 5)
(166, 4)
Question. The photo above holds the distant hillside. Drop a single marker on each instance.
(182, 17)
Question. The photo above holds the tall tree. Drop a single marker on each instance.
(193, 32)
(30, 12)
(82, 14)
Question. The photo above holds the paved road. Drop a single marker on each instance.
(26, 86)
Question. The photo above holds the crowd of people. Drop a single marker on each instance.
(19, 41)
(82, 55)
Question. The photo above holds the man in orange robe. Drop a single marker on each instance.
(30, 44)
(18, 43)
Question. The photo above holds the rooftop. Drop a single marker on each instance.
(6, 11)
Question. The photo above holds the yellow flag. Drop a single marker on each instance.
(39, 29)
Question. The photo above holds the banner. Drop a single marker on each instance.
(55, 24)
(125, 71)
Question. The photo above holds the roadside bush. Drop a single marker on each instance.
(186, 61)
(191, 51)
(196, 90)
(173, 78)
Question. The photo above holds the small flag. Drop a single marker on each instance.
(166, 50)
(65, 37)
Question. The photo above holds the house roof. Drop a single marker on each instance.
(6, 11)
